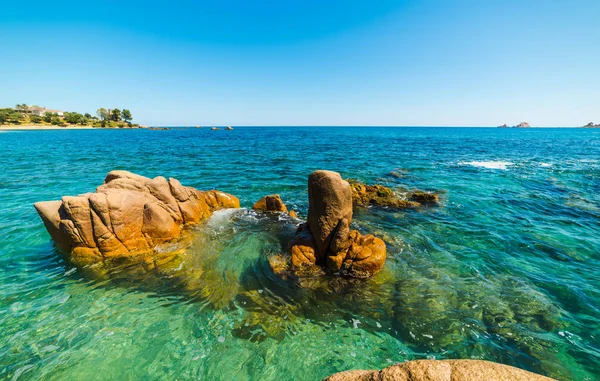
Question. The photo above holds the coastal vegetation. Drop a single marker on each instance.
(23, 114)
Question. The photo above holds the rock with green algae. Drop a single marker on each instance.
(379, 195)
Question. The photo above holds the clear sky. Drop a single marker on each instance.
(307, 62)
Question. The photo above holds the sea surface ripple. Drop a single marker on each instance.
(505, 269)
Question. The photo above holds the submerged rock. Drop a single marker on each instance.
(129, 218)
(442, 370)
(423, 198)
(326, 240)
(379, 195)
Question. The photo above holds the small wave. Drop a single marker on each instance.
(222, 217)
(489, 164)
(545, 165)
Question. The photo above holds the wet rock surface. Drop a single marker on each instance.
(442, 370)
(364, 195)
(326, 241)
(270, 203)
(129, 218)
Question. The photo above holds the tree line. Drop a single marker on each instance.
(23, 114)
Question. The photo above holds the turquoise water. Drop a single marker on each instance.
(506, 269)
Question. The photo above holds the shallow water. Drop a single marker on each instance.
(506, 269)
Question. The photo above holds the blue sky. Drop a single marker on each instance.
(308, 62)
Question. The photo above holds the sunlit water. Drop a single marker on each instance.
(506, 269)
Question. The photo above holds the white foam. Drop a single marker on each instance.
(220, 218)
(545, 165)
(489, 164)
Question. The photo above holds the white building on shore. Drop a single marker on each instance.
(40, 111)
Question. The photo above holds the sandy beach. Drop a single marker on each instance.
(38, 127)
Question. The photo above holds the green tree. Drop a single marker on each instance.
(22, 108)
(4, 114)
(57, 121)
(35, 119)
(126, 115)
(15, 117)
(102, 113)
(73, 117)
(115, 115)
(47, 117)
(87, 115)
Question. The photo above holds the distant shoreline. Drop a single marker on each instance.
(21, 127)
(38, 127)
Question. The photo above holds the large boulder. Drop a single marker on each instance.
(441, 370)
(329, 201)
(128, 217)
(326, 241)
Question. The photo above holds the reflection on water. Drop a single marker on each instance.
(503, 270)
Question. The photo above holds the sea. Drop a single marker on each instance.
(506, 268)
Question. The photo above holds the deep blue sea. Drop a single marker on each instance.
(506, 269)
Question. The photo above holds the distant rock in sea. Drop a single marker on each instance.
(503, 126)
(214, 128)
(591, 125)
(159, 128)
(523, 125)
(229, 128)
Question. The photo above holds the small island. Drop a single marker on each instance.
(37, 116)
(591, 125)
(520, 125)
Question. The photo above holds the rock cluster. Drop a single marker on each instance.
(379, 195)
(127, 218)
(325, 240)
(442, 370)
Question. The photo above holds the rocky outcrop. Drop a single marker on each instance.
(523, 125)
(270, 203)
(326, 241)
(379, 195)
(591, 125)
(229, 128)
(442, 370)
(128, 218)
(329, 202)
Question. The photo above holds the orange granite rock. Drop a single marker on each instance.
(128, 217)
(441, 370)
(270, 203)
